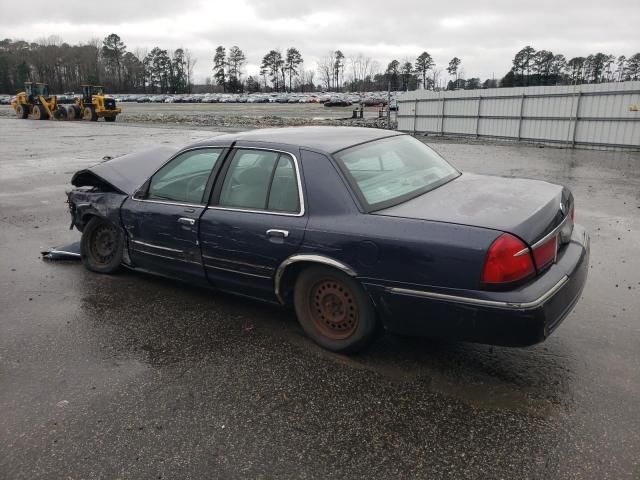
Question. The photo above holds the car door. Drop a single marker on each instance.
(161, 219)
(255, 220)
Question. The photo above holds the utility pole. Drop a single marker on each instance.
(389, 105)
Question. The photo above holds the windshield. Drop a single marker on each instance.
(389, 171)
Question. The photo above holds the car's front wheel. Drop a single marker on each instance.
(101, 246)
(334, 310)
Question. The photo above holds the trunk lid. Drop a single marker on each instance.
(529, 209)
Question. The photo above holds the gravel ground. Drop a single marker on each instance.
(131, 376)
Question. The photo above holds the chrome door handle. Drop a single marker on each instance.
(273, 232)
(187, 221)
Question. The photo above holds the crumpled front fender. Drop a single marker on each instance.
(84, 204)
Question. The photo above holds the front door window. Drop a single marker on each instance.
(184, 178)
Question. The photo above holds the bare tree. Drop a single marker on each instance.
(435, 77)
(608, 63)
(191, 63)
(621, 67)
(360, 69)
(325, 69)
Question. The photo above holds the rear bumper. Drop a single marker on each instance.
(518, 318)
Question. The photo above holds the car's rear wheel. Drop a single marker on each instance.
(101, 246)
(334, 310)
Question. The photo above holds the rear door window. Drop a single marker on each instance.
(261, 180)
(283, 194)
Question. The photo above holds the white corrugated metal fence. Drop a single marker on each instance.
(602, 115)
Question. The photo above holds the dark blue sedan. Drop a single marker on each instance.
(358, 229)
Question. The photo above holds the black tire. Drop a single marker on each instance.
(60, 113)
(71, 112)
(22, 111)
(334, 310)
(39, 113)
(109, 119)
(89, 113)
(78, 111)
(101, 246)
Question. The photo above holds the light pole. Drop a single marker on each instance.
(389, 105)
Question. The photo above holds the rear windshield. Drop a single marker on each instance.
(392, 170)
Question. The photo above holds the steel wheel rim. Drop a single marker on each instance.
(36, 113)
(334, 310)
(87, 113)
(103, 244)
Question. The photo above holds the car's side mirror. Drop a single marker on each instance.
(141, 192)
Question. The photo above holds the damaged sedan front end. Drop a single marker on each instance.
(102, 189)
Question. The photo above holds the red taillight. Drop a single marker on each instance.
(508, 260)
(546, 253)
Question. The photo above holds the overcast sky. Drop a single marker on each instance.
(484, 34)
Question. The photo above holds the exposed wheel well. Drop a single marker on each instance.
(85, 219)
(291, 272)
(288, 280)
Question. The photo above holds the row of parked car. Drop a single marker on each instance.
(66, 98)
(328, 99)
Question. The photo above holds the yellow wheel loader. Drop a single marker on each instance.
(36, 103)
(94, 104)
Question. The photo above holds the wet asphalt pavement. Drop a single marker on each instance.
(134, 377)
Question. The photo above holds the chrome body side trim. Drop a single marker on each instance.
(481, 302)
(553, 232)
(138, 242)
(236, 262)
(155, 254)
(177, 204)
(144, 252)
(313, 258)
(207, 265)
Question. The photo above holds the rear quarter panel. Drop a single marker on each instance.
(402, 252)
(387, 250)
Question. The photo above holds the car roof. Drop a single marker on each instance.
(324, 139)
